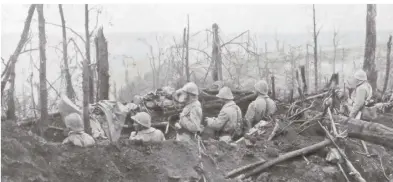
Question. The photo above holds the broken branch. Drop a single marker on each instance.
(236, 171)
(287, 156)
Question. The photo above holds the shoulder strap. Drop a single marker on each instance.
(189, 114)
(265, 114)
(223, 126)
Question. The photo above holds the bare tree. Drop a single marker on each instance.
(388, 62)
(91, 83)
(11, 95)
(102, 65)
(369, 52)
(266, 63)
(87, 96)
(14, 57)
(182, 51)
(216, 55)
(43, 124)
(335, 45)
(344, 55)
(114, 92)
(187, 49)
(308, 65)
(315, 36)
(69, 88)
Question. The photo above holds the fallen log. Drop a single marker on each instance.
(368, 131)
(287, 156)
(236, 171)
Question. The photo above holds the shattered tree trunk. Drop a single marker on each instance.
(42, 124)
(22, 42)
(86, 77)
(91, 83)
(11, 95)
(102, 66)
(69, 89)
(308, 66)
(187, 50)
(388, 62)
(315, 51)
(216, 55)
(369, 52)
(335, 51)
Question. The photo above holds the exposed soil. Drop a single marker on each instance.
(27, 157)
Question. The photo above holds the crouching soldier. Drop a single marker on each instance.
(189, 124)
(227, 121)
(144, 131)
(77, 136)
(262, 107)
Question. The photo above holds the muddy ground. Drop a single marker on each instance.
(27, 157)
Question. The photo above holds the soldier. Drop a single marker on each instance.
(361, 95)
(189, 124)
(144, 131)
(262, 107)
(77, 136)
(228, 118)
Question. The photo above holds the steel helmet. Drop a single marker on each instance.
(360, 75)
(191, 88)
(225, 93)
(74, 122)
(142, 118)
(261, 87)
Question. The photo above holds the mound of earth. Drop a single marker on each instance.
(27, 157)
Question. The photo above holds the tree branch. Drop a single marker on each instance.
(73, 31)
(77, 47)
(95, 27)
(202, 51)
(28, 50)
(234, 38)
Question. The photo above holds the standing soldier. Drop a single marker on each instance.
(189, 124)
(144, 131)
(262, 107)
(228, 118)
(361, 95)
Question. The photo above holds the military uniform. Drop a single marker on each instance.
(260, 109)
(148, 135)
(359, 97)
(77, 136)
(190, 121)
(229, 115)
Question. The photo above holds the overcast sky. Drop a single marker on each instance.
(230, 17)
(172, 18)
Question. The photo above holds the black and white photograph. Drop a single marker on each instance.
(199, 91)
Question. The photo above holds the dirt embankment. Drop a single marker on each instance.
(27, 157)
